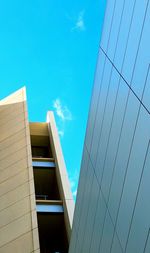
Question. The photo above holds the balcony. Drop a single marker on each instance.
(46, 187)
(49, 206)
(52, 232)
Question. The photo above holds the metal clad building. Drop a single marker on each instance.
(112, 213)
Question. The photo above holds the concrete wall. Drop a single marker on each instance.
(112, 213)
(18, 221)
(61, 173)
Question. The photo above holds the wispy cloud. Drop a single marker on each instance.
(73, 178)
(72, 182)
(80, 24)
(62, 111)
(74, 193)
(63, 115)
(61, 133)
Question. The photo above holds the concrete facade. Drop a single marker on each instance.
(112, 213)
(18, 222)
(20, 206)
(61, 173)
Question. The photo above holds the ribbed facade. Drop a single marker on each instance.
(18, 222)
(112, 213)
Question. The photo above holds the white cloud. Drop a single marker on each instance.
(74, 193)
(72, 183)
(64, 115)
(61, 133)
(62, 111)
(73, 178)
(80, 25)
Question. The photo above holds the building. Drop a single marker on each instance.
(36, 204)
(112, 213)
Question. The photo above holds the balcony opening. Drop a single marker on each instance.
(41, 152)
(52, 233)
(40, 141)
(46, 187)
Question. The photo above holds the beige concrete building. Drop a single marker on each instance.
(36, 203)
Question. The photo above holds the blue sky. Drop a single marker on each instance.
(51, 47)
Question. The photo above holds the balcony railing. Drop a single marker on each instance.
(41, 197)
(43, 159)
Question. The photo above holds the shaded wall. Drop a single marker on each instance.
(112, 211)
